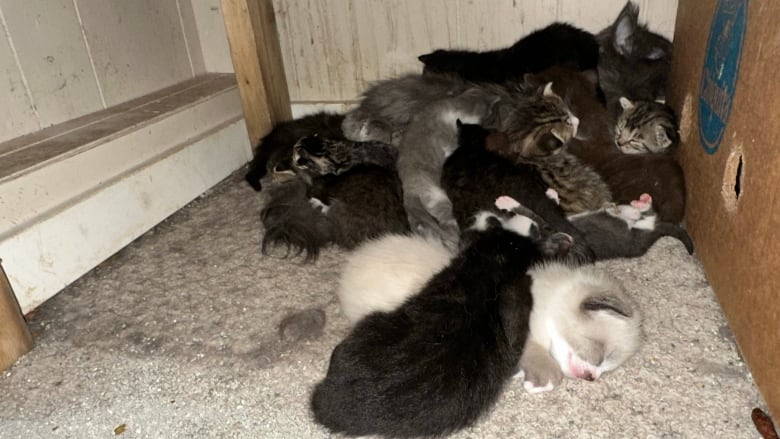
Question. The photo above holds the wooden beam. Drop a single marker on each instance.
(257, 61)
(15, 338)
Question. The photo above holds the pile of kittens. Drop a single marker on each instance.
(475, 198)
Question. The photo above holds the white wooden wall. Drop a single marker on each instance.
(60, 59)
(333, 48)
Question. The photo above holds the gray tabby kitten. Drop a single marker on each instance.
(427, 141)
(646, 127)
(633, 61)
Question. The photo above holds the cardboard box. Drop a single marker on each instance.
(724, 86)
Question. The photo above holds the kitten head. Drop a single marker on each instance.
(633, 61)
(593, 325)
(540, 125)
(646, 127)
(314, 155)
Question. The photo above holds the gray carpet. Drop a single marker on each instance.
(177, 336)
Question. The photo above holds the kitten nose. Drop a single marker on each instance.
(588, 376)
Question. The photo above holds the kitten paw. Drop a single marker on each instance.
(533, 388)
(553, 195)
(644, 203)
(318, 204)
(505, 202)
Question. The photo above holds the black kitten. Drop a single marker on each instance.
(439, 362)
(346, 209)
(557, 44)
(474, 177)
(275, 149)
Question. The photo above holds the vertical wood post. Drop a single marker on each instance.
(15, 338)
(257, 60)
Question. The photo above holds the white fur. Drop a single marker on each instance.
(558, 291)
(381, 274)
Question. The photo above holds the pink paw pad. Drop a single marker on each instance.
(644, 202)
(505, 202)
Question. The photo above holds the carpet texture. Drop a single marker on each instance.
(178, 336)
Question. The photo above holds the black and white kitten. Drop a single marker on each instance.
(633, 61)
(646, 127)
(557, 44)
(439, 362)
(273, 152)
(473, 177)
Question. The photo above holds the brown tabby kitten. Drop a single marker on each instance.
(628, 176)
(536, 131)
(580, 188)
(646, 126)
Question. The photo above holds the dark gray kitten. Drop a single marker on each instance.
(627, 230)
(633, 61)
(646, 127)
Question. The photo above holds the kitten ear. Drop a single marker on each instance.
(496, 141)
(548, 91)
(661, 138)
(626, 103)
(458, 123)
(608, 303)
(625, 26)
(656, 53)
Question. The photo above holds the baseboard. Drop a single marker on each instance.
(62, 216)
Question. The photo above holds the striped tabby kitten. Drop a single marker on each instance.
(579, 187)
(646, 126)
(314, 155)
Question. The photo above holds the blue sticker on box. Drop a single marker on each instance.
(721, 68)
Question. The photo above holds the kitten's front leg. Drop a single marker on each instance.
(541, 371)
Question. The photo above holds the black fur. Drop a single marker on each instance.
(557, 44)
(440, 361)
(364, 202)
(474, 177)
(275, 149)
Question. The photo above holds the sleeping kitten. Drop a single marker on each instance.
(437, 363)
(581, 319)
(633, 61)
(275, 149)
(346, 209)
(621, 231)
(388, 106)
(315, 155)
(429, 138)
(627, 175)
(582, 325)
(473, 177)
(579, 188)
(646, 127)
(556, 44)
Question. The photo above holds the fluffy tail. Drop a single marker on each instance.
(291, 222)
